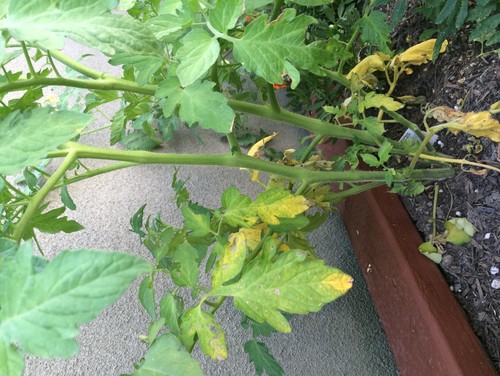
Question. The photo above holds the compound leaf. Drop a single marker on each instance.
(199, 224)
(48, 22)
(277, 203)
(225, 14)
(40, 311)
(146, 65)
(210, 336)
(147, 296)
(51, 222)
(170, 306)
(236, 205)
(375, 30)
(167, 357)
(291, 284)
(379, 100)
(266, 47)
(198, 103)
(232, 259)
(185, 271)
(262, 359)
(24, 138)
(198, 53)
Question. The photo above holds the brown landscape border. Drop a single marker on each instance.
(425, 326)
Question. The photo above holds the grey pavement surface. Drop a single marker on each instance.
(344, 338)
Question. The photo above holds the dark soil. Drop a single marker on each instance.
(462, 77)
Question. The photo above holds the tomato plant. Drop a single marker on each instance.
(195, 63)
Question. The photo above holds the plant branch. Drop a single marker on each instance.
(28, 59)
(38, 198)
(272, 98)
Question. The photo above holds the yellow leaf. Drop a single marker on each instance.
(253, 235)
(232, 259)
(255, 149)
(368, 65)
(421, 53)
(479, 124)
(380, 100)
(255, 152)
(338, 281)
(278, 203)
(495, 107)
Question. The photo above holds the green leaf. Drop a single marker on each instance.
(139, 140)
(25, 138)
(117, 127)
(147, 296)
(48, 22)
(375, 30)
(210, 336)
(167, 357)
(225, 14)
(258, 328)
(291, 284)
(459, 231)
(266, 46)
(199, 224)
(311, 3)
(199, 51)
(11, 359)
(199, 104)
(277, 203)
(170, 308)
(251, 5)
(2, 49)
(373, 125)
(262, 359)
(370, 160)
(446, 11)
(66, 198)
(137, 220)
(40, 311)
(51, 223)
(384, 152)
(291, 224)
(462, 13)
(166, 24)
(398, 12)
(238, 212)
(145, 65)
(186, 268)
(232, 259)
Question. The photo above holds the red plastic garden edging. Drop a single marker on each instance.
(424, 324)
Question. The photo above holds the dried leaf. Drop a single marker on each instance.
(368, 65)
(421, 53)
(479, 124)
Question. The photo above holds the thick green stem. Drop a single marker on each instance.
(239, 160)
(38, 198)
(314, 125)
(338, 77)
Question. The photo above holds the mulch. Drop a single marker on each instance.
(463, 77)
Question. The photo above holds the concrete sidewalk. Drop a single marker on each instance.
(344, 338)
